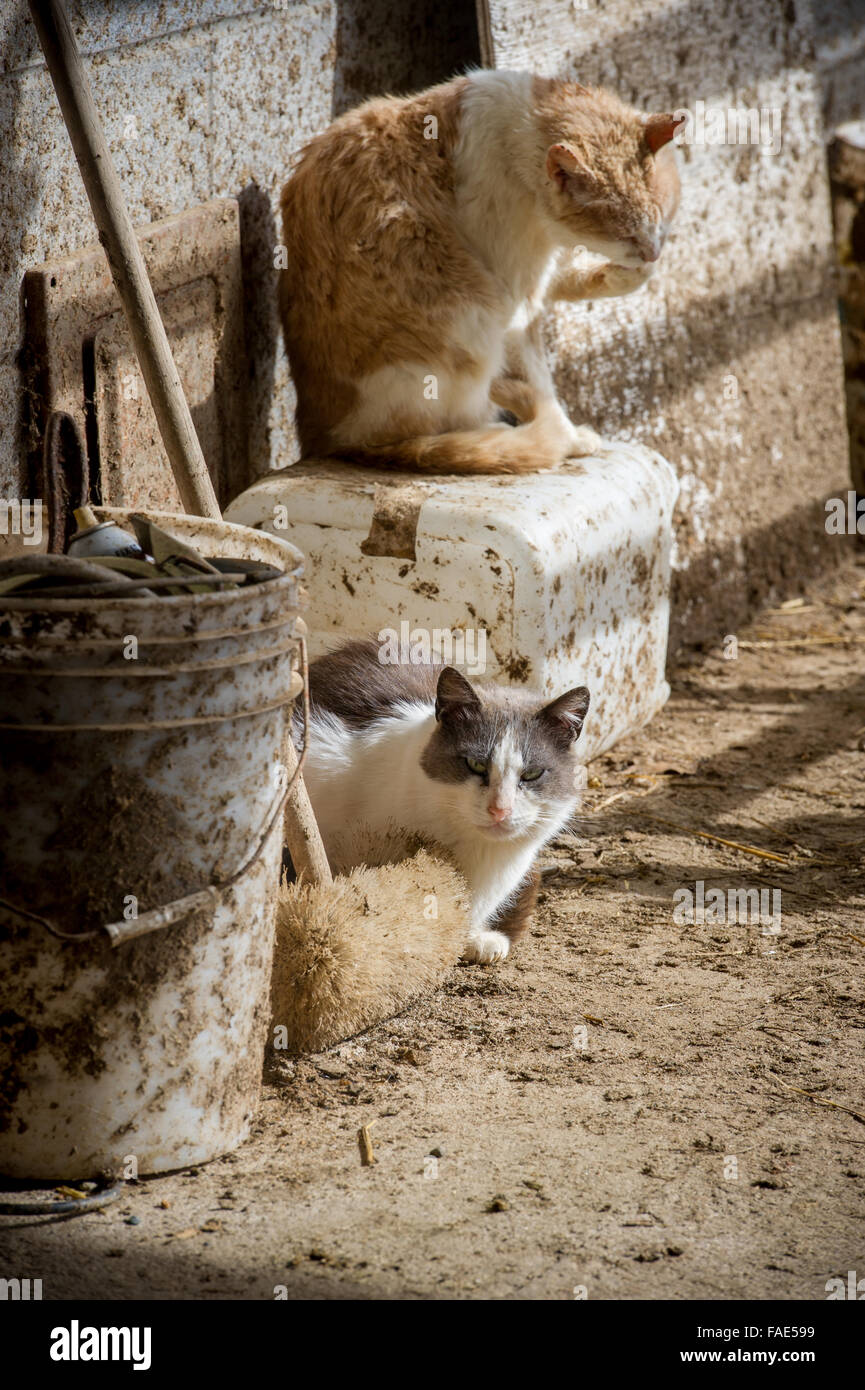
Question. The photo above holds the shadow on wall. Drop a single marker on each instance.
(381, 46)
(25, 176)
(258, 240)
(839, 31)
(765, 564)
(400, 46)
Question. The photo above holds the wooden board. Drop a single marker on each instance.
(79, 358)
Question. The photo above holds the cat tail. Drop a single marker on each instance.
(543, 439)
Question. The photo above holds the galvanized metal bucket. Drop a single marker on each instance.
(140, 848)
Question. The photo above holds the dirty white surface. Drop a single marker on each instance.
(562, 578)
(729, 361)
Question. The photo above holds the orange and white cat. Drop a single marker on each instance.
(425, 238)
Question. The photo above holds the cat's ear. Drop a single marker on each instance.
(566, 714)
(659, 130)
(565, 164)
(455, 698)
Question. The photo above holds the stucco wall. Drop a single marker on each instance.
(199, 99)
(729, 361)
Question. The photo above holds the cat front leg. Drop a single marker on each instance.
(529, 383)
(576, 282)
(486, 947)
(524, 355)
(510, 922)
(514, 917)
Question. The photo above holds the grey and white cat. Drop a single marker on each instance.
(489, 773)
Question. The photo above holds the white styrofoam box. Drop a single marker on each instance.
(556, 579)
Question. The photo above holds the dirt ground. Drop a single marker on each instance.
(632, 1106)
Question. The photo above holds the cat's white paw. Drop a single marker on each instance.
(487, 947)
(625, 279)
(584, 442)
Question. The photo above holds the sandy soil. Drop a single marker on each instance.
(632, 1106)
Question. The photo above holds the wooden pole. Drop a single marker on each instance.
(300, 829)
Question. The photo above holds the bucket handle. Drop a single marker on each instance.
(158, 917)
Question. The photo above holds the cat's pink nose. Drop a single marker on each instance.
(498, 813)
(652, 246)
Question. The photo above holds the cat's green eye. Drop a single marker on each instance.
(532, 774)
(476, 765)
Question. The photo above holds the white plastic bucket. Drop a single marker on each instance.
(128, 783)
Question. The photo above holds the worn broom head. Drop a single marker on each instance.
(363, 948)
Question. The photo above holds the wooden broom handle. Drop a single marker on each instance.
(300, 828)
(120, 243)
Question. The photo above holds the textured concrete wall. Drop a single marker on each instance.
(839, 42)
(729, 362)
(199, 99)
